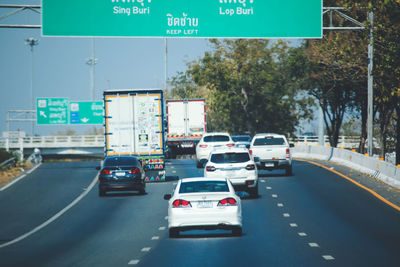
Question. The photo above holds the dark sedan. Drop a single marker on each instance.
(121, 173)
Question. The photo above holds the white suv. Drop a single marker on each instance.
(236, 165)
(271, 151)
(208, 142)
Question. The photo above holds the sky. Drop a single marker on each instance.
(60, 69)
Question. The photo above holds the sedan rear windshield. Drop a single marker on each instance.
(230, 157)
(216, 138)
(121, 161)
(204, 186)
(269, 141)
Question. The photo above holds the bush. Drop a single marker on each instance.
(4, 155)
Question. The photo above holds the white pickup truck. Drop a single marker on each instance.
(271, 151)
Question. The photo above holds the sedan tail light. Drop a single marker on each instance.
(180, 203)
(251, 152)
(230, 201)
(135, 171)
(230, 145)
(203, 146)
(210, 168)
(287, 153)
(105, 172)
(250, 167)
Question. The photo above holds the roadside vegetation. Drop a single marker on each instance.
(270, 86)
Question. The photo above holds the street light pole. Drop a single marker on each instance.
(32, 42)
(92, 61)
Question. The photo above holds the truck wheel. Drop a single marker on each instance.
(289, 171)
(253, 192)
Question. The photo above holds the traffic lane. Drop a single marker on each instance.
(107, 231)
(269, 239)
(344, 220)
(41, 194)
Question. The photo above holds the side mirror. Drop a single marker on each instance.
(256, 159)
(291, 145)
(167, 196)
(98, 168)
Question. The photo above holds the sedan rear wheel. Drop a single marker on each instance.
(173, 232)
(237, 231)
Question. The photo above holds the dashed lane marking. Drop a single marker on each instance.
(279, 205)
(166, 217)
(133, 262)
(162, 228)
(274, 195)
(286, 215)
(147, 249)
(302, 234)
(293, 225)
(262, 181)
(268, 188)
(313, 245)
(155, 238)
(328, 257)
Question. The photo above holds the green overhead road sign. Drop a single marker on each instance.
(52, 110)
(183, 18)
(86, 112)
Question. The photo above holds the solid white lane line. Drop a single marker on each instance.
(162, 228)
(147, 249)
(313, 245)
(286, 215)
(133, 262)
(73, 203)
(19, 178)
(328, 257)
(155, 238)
(293, 225)
(279, 205)
(302, 234)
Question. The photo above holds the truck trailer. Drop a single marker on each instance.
(134, 126)
(186, 124)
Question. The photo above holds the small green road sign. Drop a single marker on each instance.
(86, 112)
(183, 18)
(52, 110)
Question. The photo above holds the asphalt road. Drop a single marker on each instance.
(313, 218)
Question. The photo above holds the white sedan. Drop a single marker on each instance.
(204, 203)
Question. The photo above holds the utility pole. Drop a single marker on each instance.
(92, 61)
(32, 42)
(370, 118)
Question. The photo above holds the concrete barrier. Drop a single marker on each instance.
(381, 170)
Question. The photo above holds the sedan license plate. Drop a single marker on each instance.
(119, 174)
(204, 204)
(269, 164)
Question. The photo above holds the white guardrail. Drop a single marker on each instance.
(52, 141)
(385, 171)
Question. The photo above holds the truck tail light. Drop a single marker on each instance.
(203, 146)
(180, 203)
(135, 171)
(230, 201)
(230, 145)
(250, 167)
(287, 153)
(251, 152)
(210, 168)
(105, 172)
(250, 182)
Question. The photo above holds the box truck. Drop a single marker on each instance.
(186, 124)
(134, 126)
